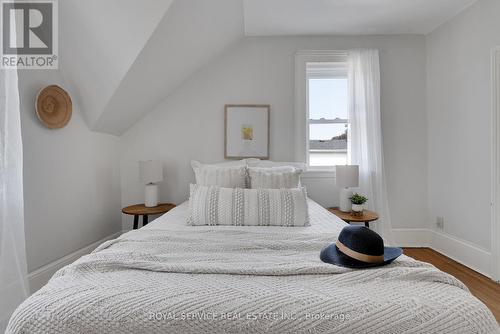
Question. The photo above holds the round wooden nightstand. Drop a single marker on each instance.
(366, 217)
(141, 210)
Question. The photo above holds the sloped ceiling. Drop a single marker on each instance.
(99, 41)
(123, 57)
(191, 33)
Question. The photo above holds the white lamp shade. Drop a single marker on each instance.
(347, 176)
(150, 171)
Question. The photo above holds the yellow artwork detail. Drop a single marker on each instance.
(247, 132)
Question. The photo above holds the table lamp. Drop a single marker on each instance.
(346, 176)
(150, 173)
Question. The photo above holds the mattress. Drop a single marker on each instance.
(168, 277)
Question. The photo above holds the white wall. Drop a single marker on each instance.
(459, 109)
(71, 179)
(188, 124)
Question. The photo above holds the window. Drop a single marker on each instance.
(327, 98)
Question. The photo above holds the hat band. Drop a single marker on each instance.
(359, 256)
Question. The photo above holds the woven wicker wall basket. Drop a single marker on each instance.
(53, 107)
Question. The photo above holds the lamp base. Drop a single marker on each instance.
(151, 195)
(345, 200)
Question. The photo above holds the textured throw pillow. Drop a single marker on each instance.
(254, 162)
(228, 177)
(254, 207)
(274, 178)
(231, 163)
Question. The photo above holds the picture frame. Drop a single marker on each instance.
(246, 131)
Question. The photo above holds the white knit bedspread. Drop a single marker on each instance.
(244, 281)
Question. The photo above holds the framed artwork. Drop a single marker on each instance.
(246, 131)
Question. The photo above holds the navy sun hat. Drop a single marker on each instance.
(359, 247)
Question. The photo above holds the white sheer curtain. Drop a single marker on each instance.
(366, 134)
(13, 276)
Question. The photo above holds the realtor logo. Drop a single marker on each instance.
(29, 34)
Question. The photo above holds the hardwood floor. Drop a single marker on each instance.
(480, 286)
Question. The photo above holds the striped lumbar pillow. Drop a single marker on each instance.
(257, 207)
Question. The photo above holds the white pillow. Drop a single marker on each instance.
(210, 175)
(277, 169)
(254, 162)
(231, 163)
(274, 178)
(256, 207)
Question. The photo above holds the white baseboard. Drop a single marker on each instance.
(39, 277)
(411, 237)
(462, 251)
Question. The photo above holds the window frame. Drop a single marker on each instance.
(302, 58)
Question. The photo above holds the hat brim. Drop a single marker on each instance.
(331, 254)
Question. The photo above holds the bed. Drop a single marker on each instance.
(168, 277)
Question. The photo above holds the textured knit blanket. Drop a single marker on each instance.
(223, 281)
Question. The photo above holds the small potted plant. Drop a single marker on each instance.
(357, 201)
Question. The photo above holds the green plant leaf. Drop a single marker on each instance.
(358, 199)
